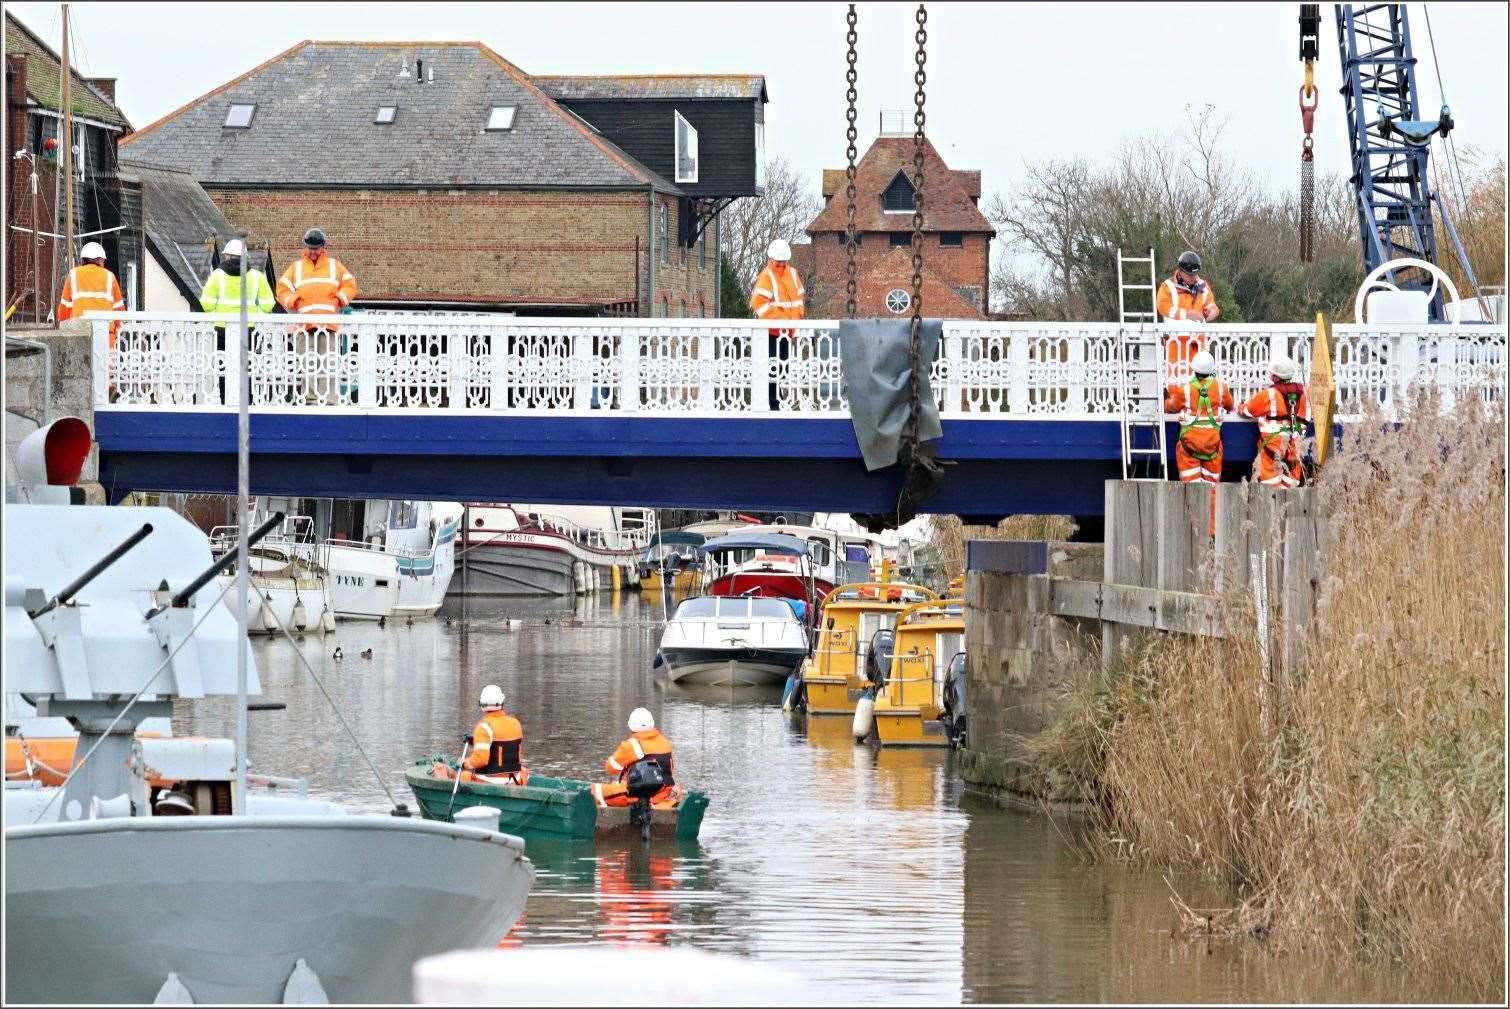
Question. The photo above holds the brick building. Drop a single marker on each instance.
(448, 178)
(956, 238)
(107, 204)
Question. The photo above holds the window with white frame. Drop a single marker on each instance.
(760, 155)
(501, 117)
(686, 149)
(665, 234)
(385, 114)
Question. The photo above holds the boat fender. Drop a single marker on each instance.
(303, 987)
(301, 615)
(328, 621)
(789, 693)
(173, 992)
(269, 621)
(865, 716)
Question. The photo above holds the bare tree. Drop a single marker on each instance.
(750, 224)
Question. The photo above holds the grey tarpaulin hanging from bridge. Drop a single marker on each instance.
(875, 359)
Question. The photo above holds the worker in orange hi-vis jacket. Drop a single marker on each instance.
(778, 294)
(1200, 405)
(91, 287)
(644, 743)
(1282, 412)
(317, 283)
(1185, 297)
(497, 753)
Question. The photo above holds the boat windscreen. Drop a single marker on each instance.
(772, 609)
(702, 606)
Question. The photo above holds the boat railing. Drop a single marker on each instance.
(898, 676)
(835, 642)
(377, 548)
(616, 541)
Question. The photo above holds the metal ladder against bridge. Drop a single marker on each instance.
(1140, 368)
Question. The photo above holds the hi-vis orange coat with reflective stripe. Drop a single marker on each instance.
(1177, 304)
(324, 285)
(778, 294)
(1279, 433)
(91, 288)
(493, 727)
(631, 751)
(1198, 453)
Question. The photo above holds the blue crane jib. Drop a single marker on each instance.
(1389, 140)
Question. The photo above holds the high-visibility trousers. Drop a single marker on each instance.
(1198, 455)
(1278, 461)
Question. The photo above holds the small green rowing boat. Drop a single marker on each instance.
(555, 807)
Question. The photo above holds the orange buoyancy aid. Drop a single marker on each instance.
(497, 744)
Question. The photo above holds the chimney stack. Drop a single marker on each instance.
(104, 85)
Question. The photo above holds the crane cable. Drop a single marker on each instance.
(1455, 169)
(851, 133)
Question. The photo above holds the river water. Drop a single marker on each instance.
(867, 874)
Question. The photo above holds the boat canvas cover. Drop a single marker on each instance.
(771, 543)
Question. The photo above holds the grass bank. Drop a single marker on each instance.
(1366, 813)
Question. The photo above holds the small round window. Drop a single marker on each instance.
(897, 300)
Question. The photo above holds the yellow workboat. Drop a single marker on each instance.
(909, 706)
(833, 677)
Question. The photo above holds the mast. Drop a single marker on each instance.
(243, 564)
(67, 145)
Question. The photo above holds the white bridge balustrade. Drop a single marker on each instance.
(676, 367)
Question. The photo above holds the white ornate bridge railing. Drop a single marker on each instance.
(670, 367)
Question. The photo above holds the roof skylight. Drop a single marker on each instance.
(240, 116)
(501, 118)
(385, 113)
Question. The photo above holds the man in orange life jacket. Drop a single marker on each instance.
(778, 294)
(1282, 412)
(497, 743)
(1186, 297)
(1200, 405)
(644, 743)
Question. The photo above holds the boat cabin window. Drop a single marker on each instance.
(949, 645)
(856, 553)
(403, 515)
(820, 551)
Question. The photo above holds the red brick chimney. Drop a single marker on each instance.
(105, 86)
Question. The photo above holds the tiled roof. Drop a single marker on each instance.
(44, 77)
(179, 217)
(314, 126)
(706, 86)
(947, 204)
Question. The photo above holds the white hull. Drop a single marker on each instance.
(105, 910)
(731, 673)
(282, 602)
(363, 582)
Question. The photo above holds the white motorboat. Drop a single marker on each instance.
(405, 568)
(160, 870)
(734, 641)
(289, 576)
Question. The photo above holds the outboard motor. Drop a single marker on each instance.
(878, 656)
(954, 700)
(643, 780)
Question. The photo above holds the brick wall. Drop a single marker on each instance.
(477, 247)
(961, 268)
(678, 277)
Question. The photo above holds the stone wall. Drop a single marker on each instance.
(1024, 663)
(72, 379)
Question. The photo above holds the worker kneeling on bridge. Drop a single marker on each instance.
(640, 761)
(497, 743)
(1282, 412)
(1200, 404)
(1186, 297)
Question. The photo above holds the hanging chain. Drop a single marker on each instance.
(852, 134)
(1310, 24)
(919, 118)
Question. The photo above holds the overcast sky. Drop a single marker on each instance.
(1007, 84)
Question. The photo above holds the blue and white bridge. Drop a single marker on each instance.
(674, 412)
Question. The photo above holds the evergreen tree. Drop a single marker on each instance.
(734, 300)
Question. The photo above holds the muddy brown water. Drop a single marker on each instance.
(869, 874)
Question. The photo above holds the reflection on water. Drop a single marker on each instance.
(866, 872)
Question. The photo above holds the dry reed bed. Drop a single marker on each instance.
(1367, 813)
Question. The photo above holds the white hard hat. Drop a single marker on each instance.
(492, 696)
(1282, 368)
(1203, 363)
(92, 250)
(640, 720)
(233, 248)
(779, 251)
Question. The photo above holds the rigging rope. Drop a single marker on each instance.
(1456, 168)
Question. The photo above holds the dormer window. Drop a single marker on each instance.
(239, 117)
(899, 197)
(385, 114)
(501, 118)
(686, 149)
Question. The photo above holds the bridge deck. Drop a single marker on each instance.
(668, 412)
